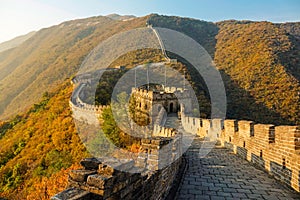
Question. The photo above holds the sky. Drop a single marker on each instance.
(18, 17)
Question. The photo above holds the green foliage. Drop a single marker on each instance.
(110, 128)
(52, 163)
(105, 87)
(259, 62)
(6, 126)
(40, 106)
(12, 178)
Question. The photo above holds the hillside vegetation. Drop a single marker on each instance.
(49, 57)
(259, 63)
(38, 145)
(261, 84)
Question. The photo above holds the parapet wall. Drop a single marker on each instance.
(150, 177)
(83, 111)
(160, 131)
(163, 148)
(161, 117)
(142, 93)
(274, 148)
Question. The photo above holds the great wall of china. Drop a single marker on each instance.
(275, 149)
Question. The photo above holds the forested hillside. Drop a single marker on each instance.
(49, 57)
(259, 63)
(260, 66)
(38, 144)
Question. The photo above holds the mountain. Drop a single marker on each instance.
(15, 41)
(258, 61)
(120, 17)
(49, 57)
(260, 66)
(268, 52)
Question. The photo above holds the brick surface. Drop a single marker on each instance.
(223, 175)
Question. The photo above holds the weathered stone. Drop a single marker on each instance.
(124, 165)
(90, 163)
(76, 194)
(81, 175)
(100, 181)
(106, 169)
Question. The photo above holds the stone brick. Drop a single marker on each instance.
(100, 181)
(81, 175)
(90, 163)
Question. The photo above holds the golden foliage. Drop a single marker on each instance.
(40, 145)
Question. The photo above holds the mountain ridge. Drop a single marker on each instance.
(40, 143)
(12, 43)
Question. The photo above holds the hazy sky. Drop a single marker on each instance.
(19, 17)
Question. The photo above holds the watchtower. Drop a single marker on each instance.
(148, 102)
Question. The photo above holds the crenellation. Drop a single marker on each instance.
(217, 124)
(274, 148)
(203, 131)
(264, 133)
(288, 137)
(246, 128)
(230, 126)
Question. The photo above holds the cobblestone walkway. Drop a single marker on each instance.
(223, 175)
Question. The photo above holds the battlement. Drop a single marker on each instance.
(167, 93)
(157, 166)
(83, 111)
(162, 149)
(287, 136)
(274, 148)
(160, 131)
(109, 178)
(142, 93)
(266, 134)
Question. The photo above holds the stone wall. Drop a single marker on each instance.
(82, 111)
(150, 177)
(273, 148)
(146, 100)
(161, 117)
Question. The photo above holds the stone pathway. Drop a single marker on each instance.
(172, 121)
(223, 175)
